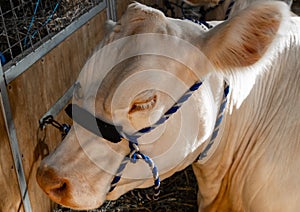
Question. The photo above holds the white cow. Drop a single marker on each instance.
(147, 64)
(222, 9)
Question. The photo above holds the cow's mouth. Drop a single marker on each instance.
(58, 189)
(63, 196)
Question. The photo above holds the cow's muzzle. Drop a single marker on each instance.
(57, 188)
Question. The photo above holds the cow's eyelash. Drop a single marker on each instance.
(147, 105)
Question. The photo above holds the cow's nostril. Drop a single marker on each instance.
(59, 191)
(55, 186)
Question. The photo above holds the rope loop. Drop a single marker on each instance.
(133, 156)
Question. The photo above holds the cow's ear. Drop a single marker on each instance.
(139, 19)
(243, 40)
(137, 12)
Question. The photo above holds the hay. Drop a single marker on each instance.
(178, 193)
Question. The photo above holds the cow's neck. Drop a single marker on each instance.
(272, 102)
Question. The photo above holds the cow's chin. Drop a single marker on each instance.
(88, 201)
(86, 204)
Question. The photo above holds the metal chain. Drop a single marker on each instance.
(63, 128)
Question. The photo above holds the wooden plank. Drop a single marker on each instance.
(36, 90)
(10, 199)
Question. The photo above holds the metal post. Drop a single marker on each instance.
(111, 10)
(10, 127)
(60, 104)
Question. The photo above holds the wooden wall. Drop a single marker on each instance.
(10, 198)
(31, 95)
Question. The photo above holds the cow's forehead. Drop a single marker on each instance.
(140, 19)
(131, 77)
(165, 47)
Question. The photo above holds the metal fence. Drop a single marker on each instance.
(26, 24)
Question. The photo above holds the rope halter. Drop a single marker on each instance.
(199, 13)
(115, 134)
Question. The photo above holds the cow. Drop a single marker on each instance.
(209, 10)
(162, 94)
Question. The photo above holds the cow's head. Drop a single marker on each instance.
(148, 61)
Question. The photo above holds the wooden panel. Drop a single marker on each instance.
(37, 89)
(10, 198)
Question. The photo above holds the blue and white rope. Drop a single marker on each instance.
(135, 153)
(229, 8)
(119, 173)
(133, 144)
(202, 23)
(219, 119)
(203, 12)
(166, 116)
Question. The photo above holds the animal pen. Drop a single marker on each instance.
(43, 46)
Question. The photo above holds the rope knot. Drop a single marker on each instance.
(134, 152)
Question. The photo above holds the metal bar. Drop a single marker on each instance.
(108, 13)
(30, 59)
(111, 10)
(10, 127)
(59, 105)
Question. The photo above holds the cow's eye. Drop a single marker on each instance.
(144, 101)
